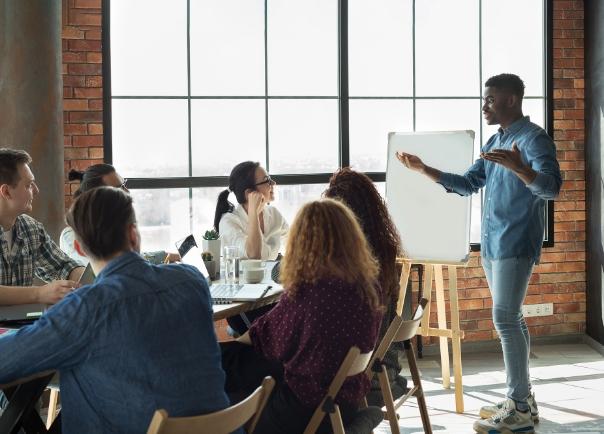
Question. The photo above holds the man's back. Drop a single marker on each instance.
(140, 338)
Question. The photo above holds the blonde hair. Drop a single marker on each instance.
(326, 241)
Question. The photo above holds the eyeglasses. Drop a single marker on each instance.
(268, 180)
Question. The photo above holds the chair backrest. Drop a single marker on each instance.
(354, 363)
(399, 330)
(408, 329)
(220, 422)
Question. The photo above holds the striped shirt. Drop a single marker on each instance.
(33, 253)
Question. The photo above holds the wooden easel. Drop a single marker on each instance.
(435, 268)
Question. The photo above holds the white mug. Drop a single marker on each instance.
(253, 274)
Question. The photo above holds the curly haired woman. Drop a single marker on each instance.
(358, 192)
(332, 301)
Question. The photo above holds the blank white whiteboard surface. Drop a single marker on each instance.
(434, 225)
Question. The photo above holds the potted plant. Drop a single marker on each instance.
(210, 263)
(211, 243)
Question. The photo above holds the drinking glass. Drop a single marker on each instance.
(231, 264)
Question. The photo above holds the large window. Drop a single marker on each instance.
(193, 87)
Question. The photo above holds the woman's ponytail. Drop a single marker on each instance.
(222, 206)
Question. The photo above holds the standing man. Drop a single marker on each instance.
(140, 338)
(518, 166)
(27, 250)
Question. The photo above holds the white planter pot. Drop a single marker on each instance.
(214, 247)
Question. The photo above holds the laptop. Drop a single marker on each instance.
(21, 314)
(228, 293)
(87, 276)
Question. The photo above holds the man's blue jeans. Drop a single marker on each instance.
(508, 281)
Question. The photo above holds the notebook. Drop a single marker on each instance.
(227, 293)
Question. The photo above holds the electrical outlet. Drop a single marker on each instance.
(543, 309)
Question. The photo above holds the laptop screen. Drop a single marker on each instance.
(193, 257)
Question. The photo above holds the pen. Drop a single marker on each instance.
(264, 292)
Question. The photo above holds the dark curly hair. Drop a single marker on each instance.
(357, 191)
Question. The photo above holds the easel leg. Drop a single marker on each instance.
(425, 325)
(405, 274)
(456, 338)
(442, 324)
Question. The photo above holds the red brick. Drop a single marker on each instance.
(85, 68)
(90, 116)
(74, 57)
(567, 307)
(94, 57)
(94, 81)
(77, 17)
(96, 152)
(75, 104)
(96, 104)
(88, 4)
(94, 129)
(70, 32)
(85, 45)
(87, 140)
(76, 153)
(74, 80)
(88, 92)
(93, 35)
(75, 129)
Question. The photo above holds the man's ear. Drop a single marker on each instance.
(512, 100)
(133, 237)
(5, 191)
(78, 248)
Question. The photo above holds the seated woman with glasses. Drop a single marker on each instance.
(332, 301)
(99, 175)
(256, 228)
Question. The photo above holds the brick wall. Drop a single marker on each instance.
(560, 278)
(82, 86)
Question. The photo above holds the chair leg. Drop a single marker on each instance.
(52, 407)
(336, 421)
(388, 401)
(419, 394)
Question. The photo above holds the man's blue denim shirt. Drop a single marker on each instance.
(140, 338)
(513, 217)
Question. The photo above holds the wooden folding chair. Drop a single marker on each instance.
(400, 331)
(220, 422)
(354, 363)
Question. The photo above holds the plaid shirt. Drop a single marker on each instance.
(33, 252)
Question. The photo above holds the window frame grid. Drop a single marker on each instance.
(343, 98)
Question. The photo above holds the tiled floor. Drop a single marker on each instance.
(568, 380)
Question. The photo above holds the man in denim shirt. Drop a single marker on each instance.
(139, 338)
(519, 169)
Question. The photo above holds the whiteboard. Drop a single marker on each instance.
(434, 225)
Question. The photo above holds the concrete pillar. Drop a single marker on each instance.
(31, 98)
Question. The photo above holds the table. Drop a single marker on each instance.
(21, 413)
(223, 311)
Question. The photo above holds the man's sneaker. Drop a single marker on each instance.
(507, 420)
(490, 410)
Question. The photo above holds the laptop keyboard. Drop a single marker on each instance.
(224, 290)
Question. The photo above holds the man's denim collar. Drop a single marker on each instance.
(123, 260)
(516, 126)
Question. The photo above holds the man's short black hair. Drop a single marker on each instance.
(100, 218)
(507, 82)
(10, 159)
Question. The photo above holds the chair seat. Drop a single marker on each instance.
(365, 420)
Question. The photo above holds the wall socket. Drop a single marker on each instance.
(543, 309)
